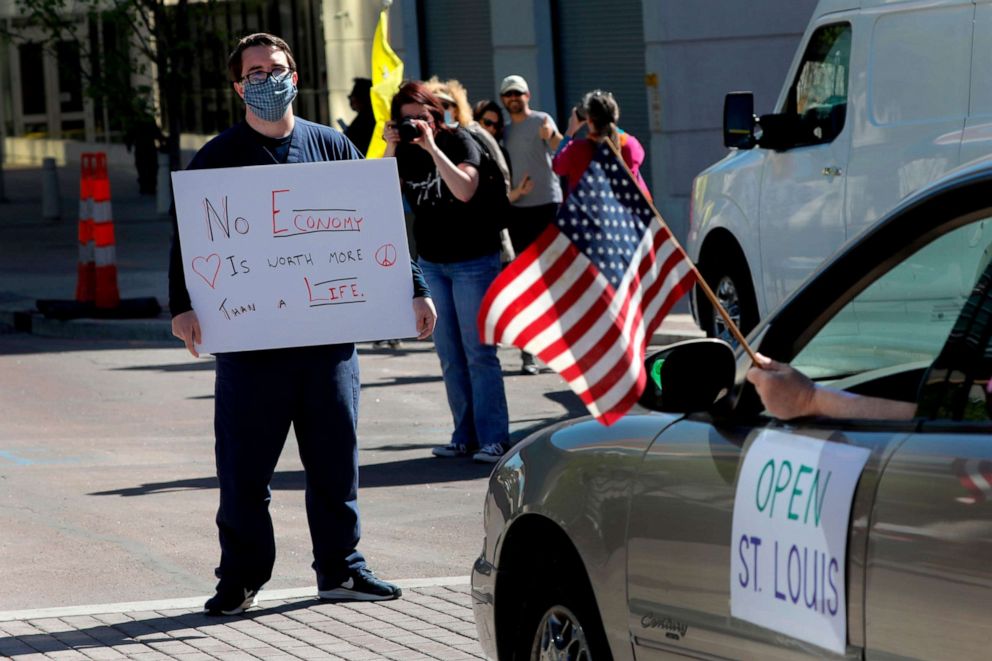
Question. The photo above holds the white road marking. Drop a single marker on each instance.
(196, 603)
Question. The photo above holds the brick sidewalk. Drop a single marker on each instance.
(427, 623)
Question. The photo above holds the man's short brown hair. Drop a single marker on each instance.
(257, 39)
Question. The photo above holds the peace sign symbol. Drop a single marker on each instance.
(386, 255)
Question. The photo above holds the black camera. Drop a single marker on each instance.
(408, 130)
(580, 112)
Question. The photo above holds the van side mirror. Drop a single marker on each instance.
(738, 120)
(778, 132)
(689, 376)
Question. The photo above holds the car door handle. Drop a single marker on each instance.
(832, 171)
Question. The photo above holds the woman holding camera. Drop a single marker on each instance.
(599, 112)
(457, 236)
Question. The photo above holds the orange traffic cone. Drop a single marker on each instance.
(86, 269)
(96, 283)
(105, 250)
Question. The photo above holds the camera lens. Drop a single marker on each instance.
(408, 130)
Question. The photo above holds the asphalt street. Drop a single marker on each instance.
(107, 474)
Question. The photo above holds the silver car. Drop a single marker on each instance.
(616, 542)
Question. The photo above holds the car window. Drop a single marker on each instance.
(903, 319)
(818, 97)
(958, 386)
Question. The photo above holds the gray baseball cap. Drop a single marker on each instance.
(514, 83)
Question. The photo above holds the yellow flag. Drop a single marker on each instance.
(387, 74)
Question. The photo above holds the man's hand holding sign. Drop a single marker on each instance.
(288, 255)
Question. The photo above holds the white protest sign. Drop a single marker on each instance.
(296, 254)
(789, 544)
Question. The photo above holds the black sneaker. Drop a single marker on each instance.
(230, 601)
(361, 585)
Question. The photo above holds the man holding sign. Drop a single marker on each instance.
(258, 394)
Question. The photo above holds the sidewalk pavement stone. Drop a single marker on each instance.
(429, 623)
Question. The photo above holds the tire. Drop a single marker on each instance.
(730, 279)
(563, 625)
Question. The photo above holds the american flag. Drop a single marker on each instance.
(586, 296)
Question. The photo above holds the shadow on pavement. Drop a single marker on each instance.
(207, 365)
(569, 401)
(422, 470)
(402, 381)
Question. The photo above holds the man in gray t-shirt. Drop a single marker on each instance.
(531, 139)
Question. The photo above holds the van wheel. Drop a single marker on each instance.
(730, 280)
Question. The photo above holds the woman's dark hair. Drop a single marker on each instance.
(414, 91)
(488, 105)
(257, 39)
(602, 111)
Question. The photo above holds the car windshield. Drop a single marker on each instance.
(902, 319)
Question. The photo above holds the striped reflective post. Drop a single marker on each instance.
(86, 270)
(104, 248)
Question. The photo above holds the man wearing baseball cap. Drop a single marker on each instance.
(531, 139)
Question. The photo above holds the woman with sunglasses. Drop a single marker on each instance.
(488, 113)
(458, 242)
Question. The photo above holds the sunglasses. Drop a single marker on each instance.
(489, 122)
(512, 93)
(447, 105)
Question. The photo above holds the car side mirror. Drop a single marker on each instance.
(738, 120)
(689, 376)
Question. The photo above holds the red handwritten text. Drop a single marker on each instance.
(334, 292)
(305, 221)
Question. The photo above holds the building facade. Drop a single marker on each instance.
(669, 63)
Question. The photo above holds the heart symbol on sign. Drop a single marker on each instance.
(202, 266)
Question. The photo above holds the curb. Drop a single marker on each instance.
(35, 323)
(196, 603)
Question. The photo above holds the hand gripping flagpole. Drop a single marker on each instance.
(731, 326)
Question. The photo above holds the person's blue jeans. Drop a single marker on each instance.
(473, 378)
(258, 394)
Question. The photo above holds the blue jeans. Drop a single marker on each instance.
(472, 374)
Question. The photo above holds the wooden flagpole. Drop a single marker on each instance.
(731, 326)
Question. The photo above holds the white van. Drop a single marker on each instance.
(883, 97)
